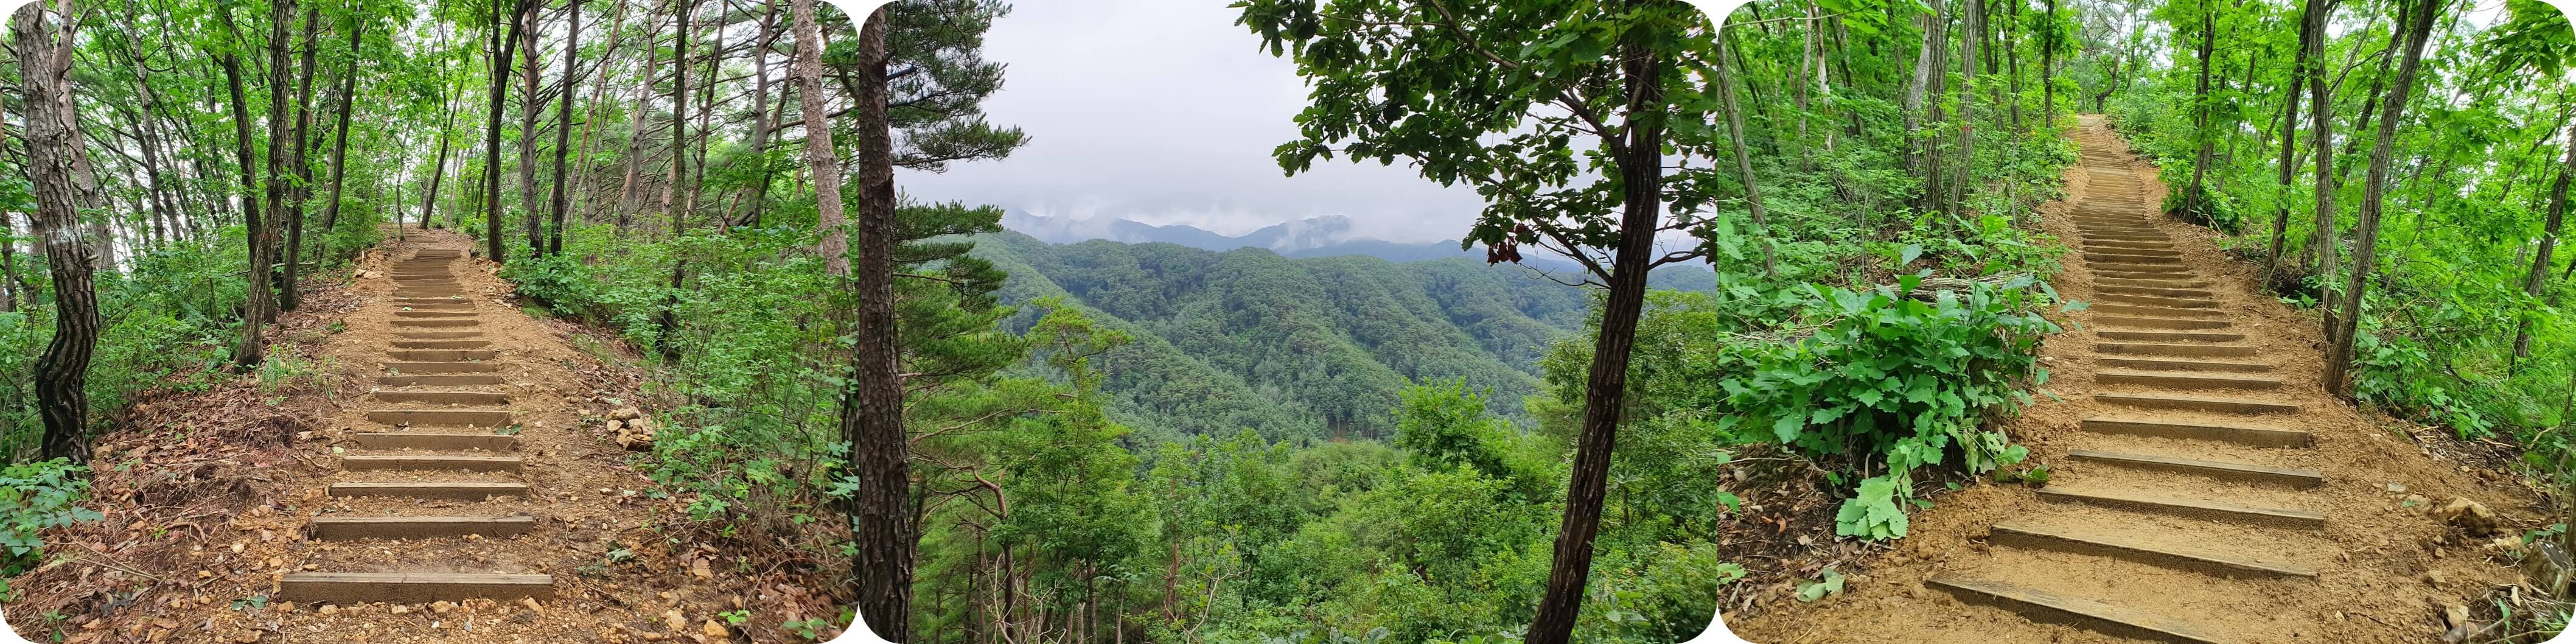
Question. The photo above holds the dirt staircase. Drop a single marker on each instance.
(444, 436)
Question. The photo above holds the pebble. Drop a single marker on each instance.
(2397, 487)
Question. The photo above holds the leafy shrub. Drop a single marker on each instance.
(555, 281)
(35, 496)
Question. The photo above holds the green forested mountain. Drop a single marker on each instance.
(1298, 347)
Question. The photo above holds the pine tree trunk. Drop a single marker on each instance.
(679, 120)
(872, 406)
(2366, 232)
(761, 121)
(61, 381)
(563, 128)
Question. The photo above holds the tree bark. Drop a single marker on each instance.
(2535, 281)
(299, 192)
(503, 49)
(2200, 113)
(2321, 137)
(563, 129)
(819, 155)
(679, 118)
(1973, 17)
(2048, 68)
(761, 120)
(1641, 176)
(1744, 160)
(340, 135)
(531, 65)
(2366, 232)
(52, 134)
(2312, 17)
(872, 407)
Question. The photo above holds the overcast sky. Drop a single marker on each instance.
(1165, 112)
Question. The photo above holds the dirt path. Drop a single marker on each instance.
(2205, 487)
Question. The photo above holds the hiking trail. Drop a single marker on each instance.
(2205, 488)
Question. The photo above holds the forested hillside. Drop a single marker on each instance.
(1298, 348)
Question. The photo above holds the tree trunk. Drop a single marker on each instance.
(2312, 18)
(761, 121)
(1641, 175)
(299, 192)
(563, 128)
(1744, 160)
(819, 154)
(872, 406)
(340, 136)
(1973, 17)
(679, 118)
(2533, 282)
(2048, 68)
(626, 194)
(590, 113)
(53, 133)
(2366, 232)
(531, 202)
(1919, 87)
(2321, 137)
(504, 48)
(2200, 114)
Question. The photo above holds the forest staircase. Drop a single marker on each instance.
(2188, 385)
(445, 431)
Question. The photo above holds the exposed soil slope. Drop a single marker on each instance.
(2206, 488)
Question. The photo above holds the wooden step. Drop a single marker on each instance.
(2182, 365)
(443, 355)
(443, 367)
(2101, 258)
(2156, 291)
(2171, 336)
(434, 442)
(437, 335)
(432, 303)
(2184, 380)
(2156, 311)
(340, 528)
(2017, 534)
(436, 323)
(2157, 323)
(2152, 282)
(443, 380)
(2130, 243)
(476, 417)
(2238, 472)
(409, 587)
(427, 462)
(2188, 350)
(2150, 252)
(441, 344)
(2150, 300)
(436, 313)
(448, 491)
(446, 397)
(2249, 436)
(2041, 605)
(2130, 267)
(2200, 508)
(2219, 405)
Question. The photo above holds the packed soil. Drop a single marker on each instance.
(2386, 562)
(210, 494)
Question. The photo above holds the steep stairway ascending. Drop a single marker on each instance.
(443, 440)
(2128, 546)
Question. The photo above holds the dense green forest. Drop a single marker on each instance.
(968, 435)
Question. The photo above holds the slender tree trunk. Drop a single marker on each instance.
(288, 296)
(819, 154)
(1744, 160)
(590, 113)
(2312, 17)
(52, 134)
(532, 210)
(340, 135)
(627, 194)
(2321, 137)
(2200, 115)
(563, 128)
(506, 47)
(1641, 175)
(1972, 17)
(2535, 281)
(2012, 61)
(761, 121)
(2366, 233)
(679, 119)
(1917, 89)
(872, 405)
(2048, 68)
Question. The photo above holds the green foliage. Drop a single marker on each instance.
(35, 496)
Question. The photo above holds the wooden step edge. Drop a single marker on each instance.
(2177, 335)
(359, 462)
(449, 491)
(2160, 323)
(2036, 537)
(2212, 469)
(2248, 436)
(2042, 605)
(2203, 508)
(2183, 365)
(2186, 380)
(434, 441)
(2219, 405)
(476, 417)
(2185, 350)
(410, 587)
(341, 528)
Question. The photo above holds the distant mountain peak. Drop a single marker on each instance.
(1283, 238)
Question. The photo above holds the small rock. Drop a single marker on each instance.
(2418, 502)
(2470, 515)
(2458, 617)
(2433, 577)
(699, 569)
(714, 629)
(246, 637)
(676, 621)
(401, 609)
(531, 603)
(626, 413)
(2399, 488)
(328, 609)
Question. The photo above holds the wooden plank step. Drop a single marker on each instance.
(2041, 605)
(443, 335)
(2143, 260)
(2184, 380)
(2131, 267)
(446, 397)
(410, 587)
(2153, 282)
(443, 355)
(2156, 311)
(2157, 291)
(2249, 436)
(2187, 350)
(2124, 298)
(2200, 508)
(430, 462)
(2172, 336)
(2033, 536)
(477, 417)
(2127, 275)
(2150, 323)
(449, 491)
(436, 323)
(2129, 243)
(432, 303)
(340, 528)
(446, 380)
(441, 344)
(2130, 237)
(2220, 405)
(435, 313)
(2183, 365)
(2239, 472)
(434, 442)
(443, 367)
